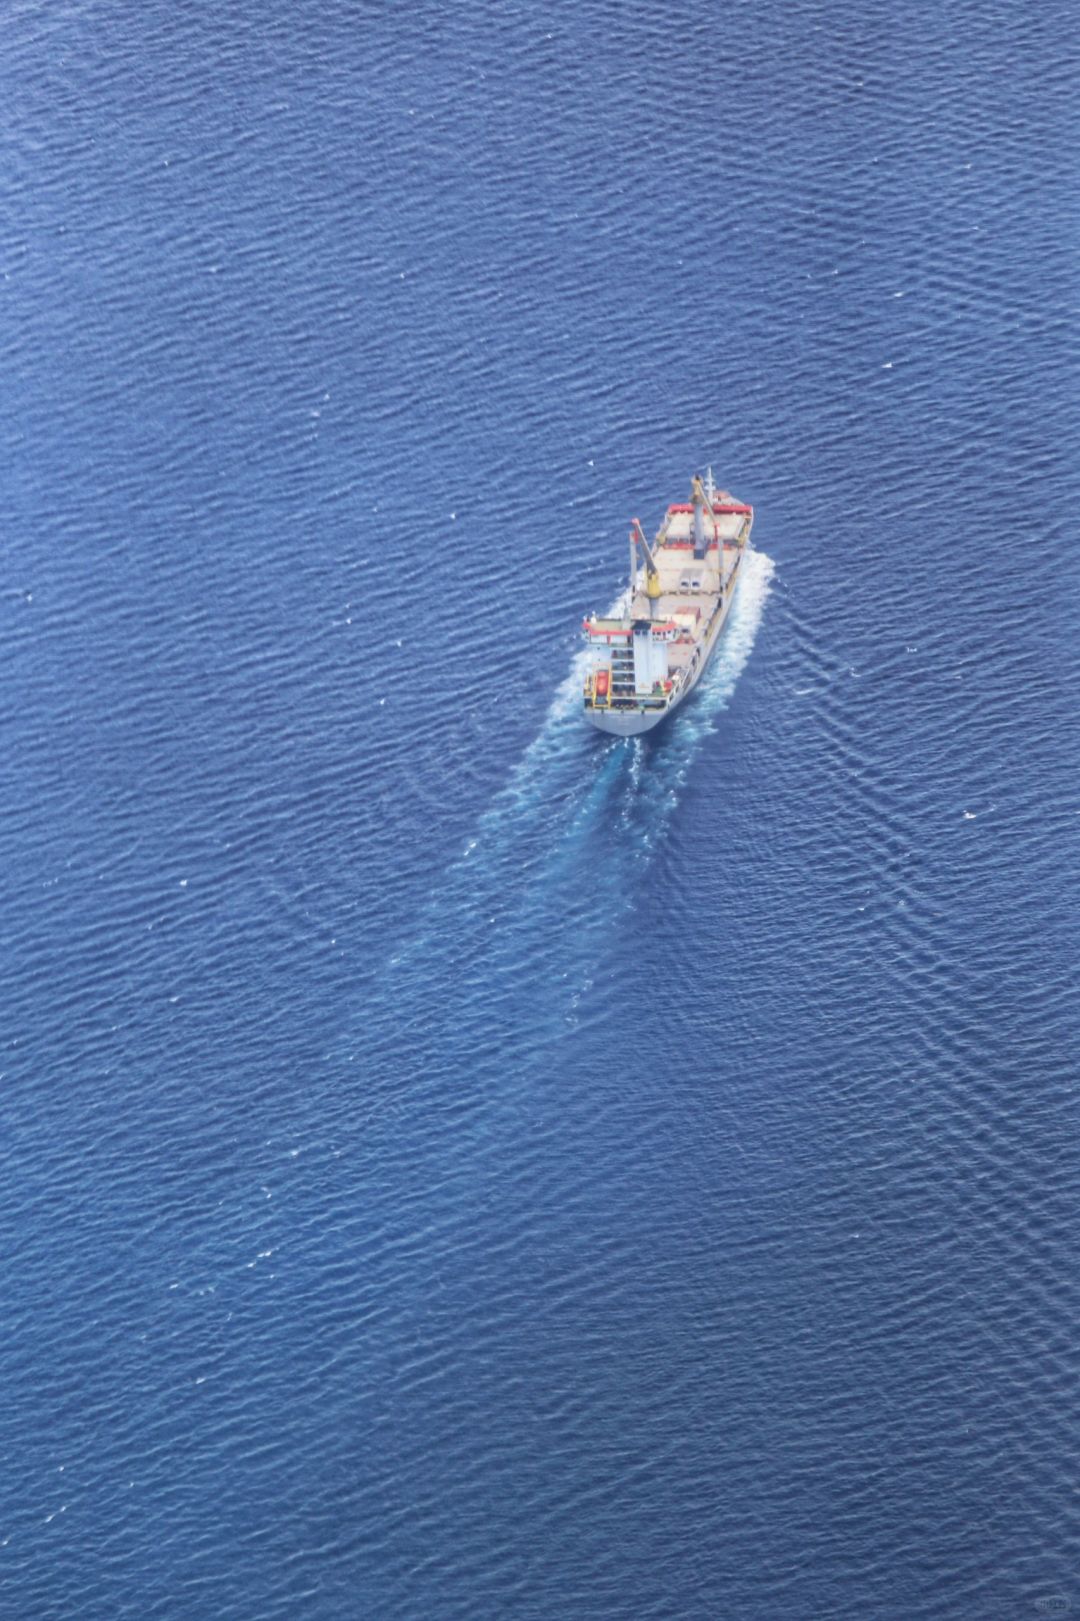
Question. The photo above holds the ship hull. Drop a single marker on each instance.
(627, 722)
(633, 722)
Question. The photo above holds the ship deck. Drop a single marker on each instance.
(689, 591)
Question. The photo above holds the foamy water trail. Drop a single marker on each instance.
(566, 745)
(555, 859)
(583, 809)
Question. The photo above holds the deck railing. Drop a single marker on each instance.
(622, 699)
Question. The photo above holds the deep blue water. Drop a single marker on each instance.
(455, 1165)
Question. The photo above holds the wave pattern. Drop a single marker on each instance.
(455, 1164)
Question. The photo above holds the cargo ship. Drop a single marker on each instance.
(644, 663)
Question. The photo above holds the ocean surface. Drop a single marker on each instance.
(454, 1165)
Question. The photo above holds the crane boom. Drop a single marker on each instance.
(650, 560)
(652, 572)
(701, 501)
